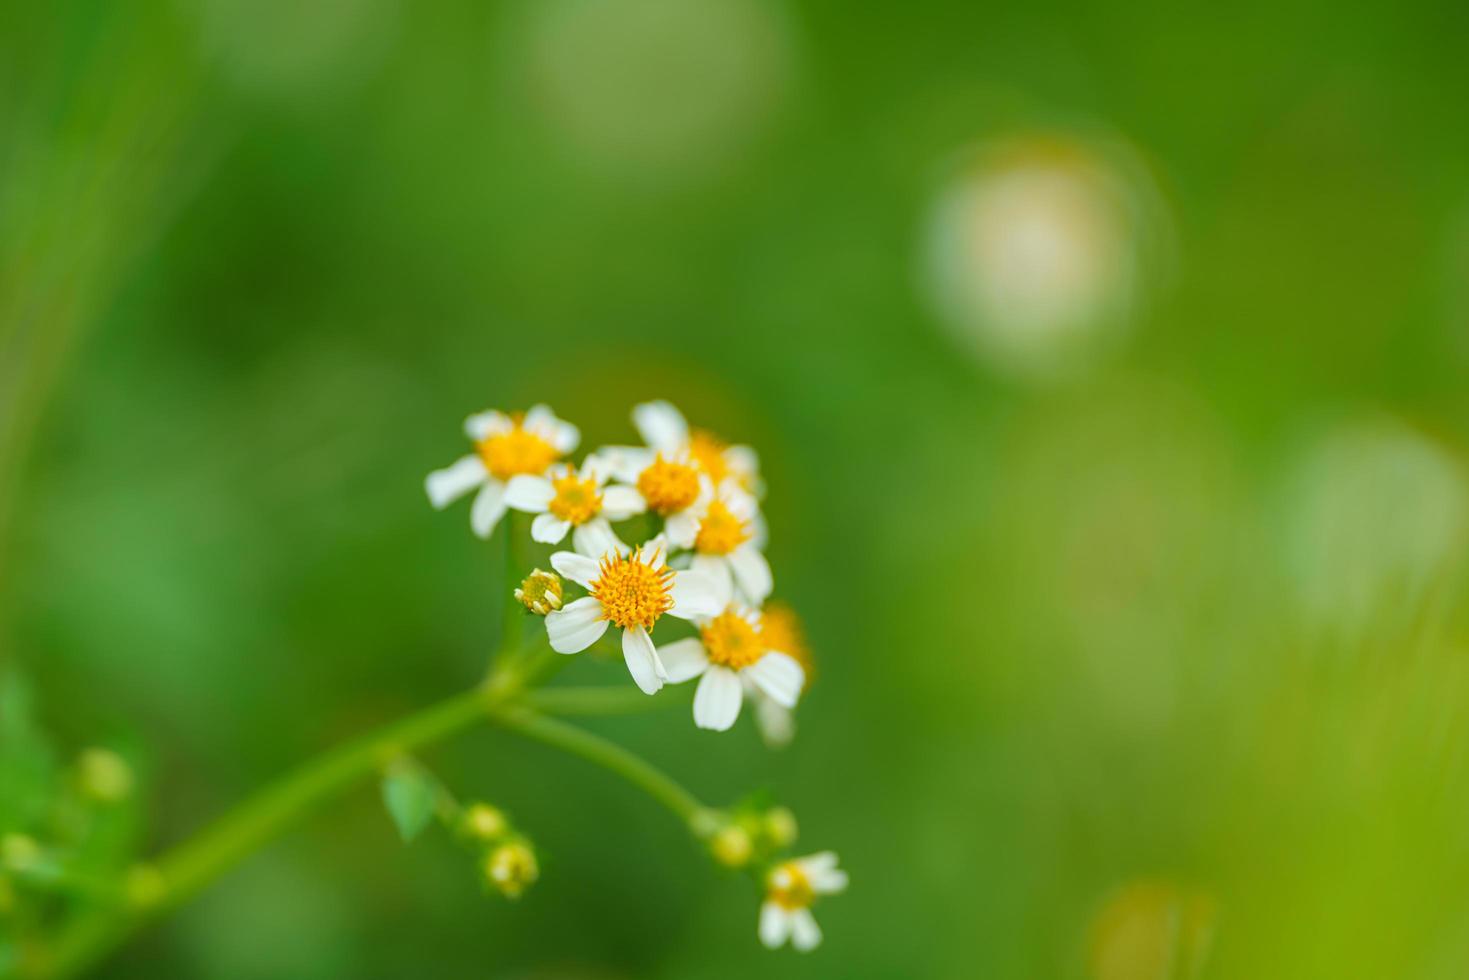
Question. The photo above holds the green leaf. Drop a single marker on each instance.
(410, 795)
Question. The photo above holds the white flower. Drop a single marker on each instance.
(506, 446)
(728, 650)
(632, 592)
(790, 889)
(728, 535)
(667, 471)
(567, 499)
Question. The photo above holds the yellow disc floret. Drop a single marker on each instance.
(510, 453)
(668, 486)
(708, 451)
(790, 888)
(731, 641)
(720, 532)
(577, 501)
(632, 592)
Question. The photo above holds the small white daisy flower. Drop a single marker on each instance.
(729, 650)
(506, 446)
(790, 890)
(728, 536)
(671, 469)
(632, 592)
(568, 499)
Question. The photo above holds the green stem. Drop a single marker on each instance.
(606, 700)
(609, 755)
(186, 869)
(512, 612)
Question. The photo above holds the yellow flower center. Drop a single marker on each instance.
(730, 641)
(780, 629)
(708, 451)
(508, 454)
(720, 532)
(576, 500)
(790, 888)
(667, 486)
(632, 593)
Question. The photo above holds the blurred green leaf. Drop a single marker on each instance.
(27, 761)
(410, 795)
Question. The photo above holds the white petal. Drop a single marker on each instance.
(752, 573)
(449, 484)
(655, 551)
(579, 568)
(777, 723)
(531, 494)
(717, 701)
(661, 425)
(575, 626)
(489, 507)
(548, 529)
(595, 538)
(539, 419)
(624, 463)
(642, 660)
(619, 503)
(482, 425)
(694, 595)
(829, 881)
(775, 925)
(743, 461)
(682, 528)
(716, 567)
(779, 676)
(805, 933)
(814, 865)
(564, 436)
(683, 659)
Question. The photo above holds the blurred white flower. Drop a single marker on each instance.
(1038, 252)
(728, 652)
(781, 630)
(506, 446)
(632, 592)
(790, 890)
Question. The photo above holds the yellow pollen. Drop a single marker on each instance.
(633, 593)
(790, 888)
(668, 487)
(708, 451)
(508, 454)
(720, 532)
(780, 629)
(576, 500)
(730, 641)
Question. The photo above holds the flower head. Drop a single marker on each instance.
(728, 651)
(790, 890)
(727, 543)
(506, 446)
(631, 591)
(577, 500)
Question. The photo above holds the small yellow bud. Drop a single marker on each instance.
(780, 826)
(731, 846)
(540, 592)
(19, 851)
(484, 822)
(144, 886)
(512, 868)
(104, 776)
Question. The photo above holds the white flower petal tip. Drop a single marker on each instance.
(447, 485)
(642, 660)
(662, 426)
(575, 626)
(775, 925)
(695, 595)
(683, 660)
(779, 676)
(579, 568)
(717, 700)
(488, 508)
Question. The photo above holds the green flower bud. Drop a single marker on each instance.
(511, 868)
(540, 592)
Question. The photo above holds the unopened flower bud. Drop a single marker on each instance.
(512, 868)
(540, 592)
(731, 846)
(485, 823)
(104, 776)
(780, 826)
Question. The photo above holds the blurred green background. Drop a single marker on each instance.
(1108, 366)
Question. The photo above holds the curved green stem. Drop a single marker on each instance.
(609, 755)
(180, 873)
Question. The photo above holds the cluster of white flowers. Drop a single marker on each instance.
(705, 565)
(699, 558)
